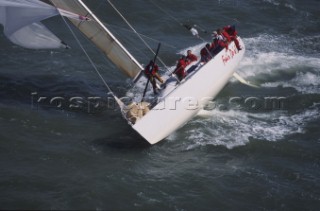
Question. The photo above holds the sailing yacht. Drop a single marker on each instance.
(178, 101)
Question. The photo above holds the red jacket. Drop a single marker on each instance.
(214, 44)
(226, 35)
(205, 53)
(217, 46)
(230, 30)
(223, 44)
(180, 69)
(148, 71)
(191, 58)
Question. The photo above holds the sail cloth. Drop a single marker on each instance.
(21, 21)
(22, 26)
(97, 33)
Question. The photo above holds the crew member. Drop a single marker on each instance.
(180, 68)
(151, 71)
(231, 34)
(193, 31)
(217, 44)
(205, 53)
(190, 57)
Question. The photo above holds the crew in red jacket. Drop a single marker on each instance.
(231, 30)
(217, 44)
(231, 34)
(152, 74)
(180, 69)
(205, 53)
(190, 57)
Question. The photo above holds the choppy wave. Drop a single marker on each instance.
(306, 83)
(281, 3)
(236, 128)
(273, 67)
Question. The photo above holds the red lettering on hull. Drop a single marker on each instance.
(229, 54)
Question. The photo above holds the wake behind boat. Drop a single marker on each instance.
(179, 99)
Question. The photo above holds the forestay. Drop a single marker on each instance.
(96, 32)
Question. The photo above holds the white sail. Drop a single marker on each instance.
(21, 23)
(96, 32)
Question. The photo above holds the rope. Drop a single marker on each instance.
(132, 44)
(145, 43)
(98, 7)
(145, 36)
(195, 25)
(160, 8)
(92, 63)
(180, 23)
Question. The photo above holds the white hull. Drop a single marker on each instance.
(184, 101)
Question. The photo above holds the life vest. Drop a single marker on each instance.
(204, 51)
(230, 30)
(148, 69)
(226, 35)
(191, 58)
(180, 67)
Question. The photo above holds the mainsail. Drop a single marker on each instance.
(97, 33)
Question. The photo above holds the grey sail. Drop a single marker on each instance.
(97, 33)
(22, 25)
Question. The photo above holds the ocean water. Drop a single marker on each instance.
(252, 149)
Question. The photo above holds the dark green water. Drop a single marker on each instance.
(245, 154)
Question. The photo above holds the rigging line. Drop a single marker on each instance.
(97, 7)
(146, 44)
(90, 60)
(175, 19)
(160, 8)
(180, 23)
(150, 38)
(135, 47)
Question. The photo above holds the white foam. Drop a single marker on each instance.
(280, 3)
(274, 62)
(265, 50)
(236, 128)
(272, 2)
(306, 83)
(265, 60)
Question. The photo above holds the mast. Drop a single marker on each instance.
(98, 34)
